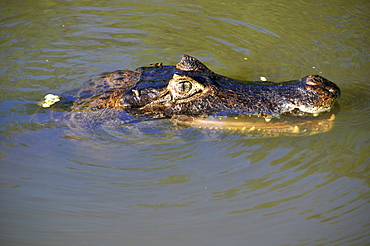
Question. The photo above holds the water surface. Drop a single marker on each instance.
(151, 183)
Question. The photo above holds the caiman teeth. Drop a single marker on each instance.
(332, 117)
(315, 115)
(296, 129)
(267, 119)
(136, 92)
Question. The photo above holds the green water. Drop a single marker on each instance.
(151, 183)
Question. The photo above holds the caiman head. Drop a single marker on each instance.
(195, 90)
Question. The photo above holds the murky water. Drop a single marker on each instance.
(151, 183)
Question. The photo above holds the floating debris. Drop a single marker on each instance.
(49, 100)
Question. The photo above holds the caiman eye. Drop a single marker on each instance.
(183, 87)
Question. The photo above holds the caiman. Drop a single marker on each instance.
(190, 90)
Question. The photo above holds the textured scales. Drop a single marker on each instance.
(190, 88)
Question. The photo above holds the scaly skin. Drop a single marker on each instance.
(190, 88)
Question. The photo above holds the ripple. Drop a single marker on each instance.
(355, 107)
(355, 99)
(69, 177)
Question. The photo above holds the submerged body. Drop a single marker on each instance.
(192, 95)
(190, 88)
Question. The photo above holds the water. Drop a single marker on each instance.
(151, 183)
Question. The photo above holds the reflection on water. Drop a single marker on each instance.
(260, 127)
(69, 182)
